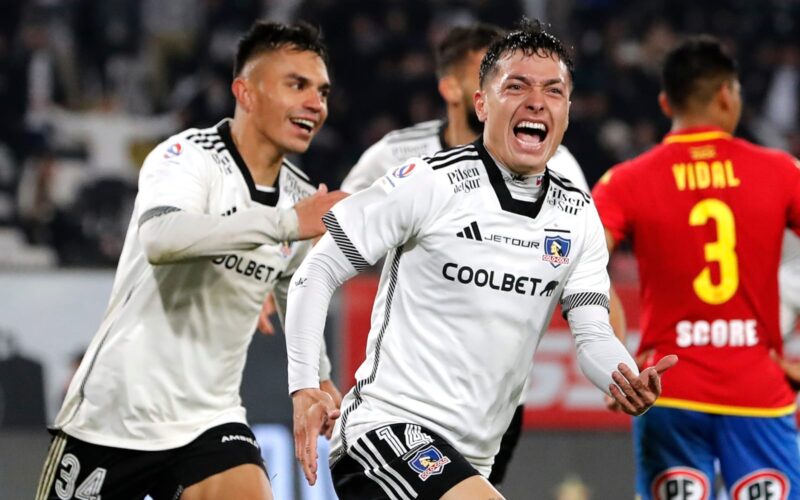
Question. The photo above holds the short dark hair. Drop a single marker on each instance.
(264, 36)
(532, 39)
(694, 69)
(460, 41)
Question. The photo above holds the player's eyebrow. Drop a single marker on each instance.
(528, 81)
(325, 86)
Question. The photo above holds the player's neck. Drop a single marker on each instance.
(262, 158)
(708, 118)
(458, 131)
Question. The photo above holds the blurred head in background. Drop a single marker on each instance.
(458, 61)
(700, 83)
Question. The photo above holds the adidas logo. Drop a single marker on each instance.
(471, 232)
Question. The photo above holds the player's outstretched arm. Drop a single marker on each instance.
(636, 393)
(310, 211)
(313, 411)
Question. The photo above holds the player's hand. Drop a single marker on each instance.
(611, 404)
(642, 360)
(313, 410)
(310, 211)
(267, 309)
(790, 368)
(636, 394)
(329, 387)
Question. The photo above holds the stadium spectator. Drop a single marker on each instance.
(154, 407)
(706, 214)
(429, 408)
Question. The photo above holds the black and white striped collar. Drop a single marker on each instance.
(263, 197)
(507, 203)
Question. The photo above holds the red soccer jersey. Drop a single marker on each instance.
(705, 213)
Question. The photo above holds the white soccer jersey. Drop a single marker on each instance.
(166, 363)
(469, 285)
(789, 280)
(425, 139)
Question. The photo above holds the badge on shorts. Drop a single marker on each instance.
(428, 462)
(763, 483)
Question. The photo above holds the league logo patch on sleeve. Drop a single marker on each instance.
(404, 171)
(428, 462)
(556, 250)
(174, 150)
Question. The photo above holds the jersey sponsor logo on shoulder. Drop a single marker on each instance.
(173, 151)
(681, 483)
(405, 151)
(404, 171)
(223, 162)
(295, 189)
(464, 180)
(763, 484)
(569, 202)
(556, 250)
(428, 462)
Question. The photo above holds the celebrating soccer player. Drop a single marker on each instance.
(483, 242)
(154, 407)
(458, 59)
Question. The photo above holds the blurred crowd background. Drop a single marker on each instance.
(88, 87)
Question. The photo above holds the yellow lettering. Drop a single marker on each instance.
(703, 176)
(717, 175)
(679, 171)
(733, 181)
(690, 175)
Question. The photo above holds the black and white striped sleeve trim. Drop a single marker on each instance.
(156, 212)
(583, 299)
(344, 243)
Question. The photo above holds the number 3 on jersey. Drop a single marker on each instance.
(722, 251)
(89, 489)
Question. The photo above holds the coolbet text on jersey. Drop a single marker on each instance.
(468, 265)
(178, 334)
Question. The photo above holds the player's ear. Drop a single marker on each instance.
(479, 99)
(449, 89)
(241, 92)
(724, 95)
(663, 102)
